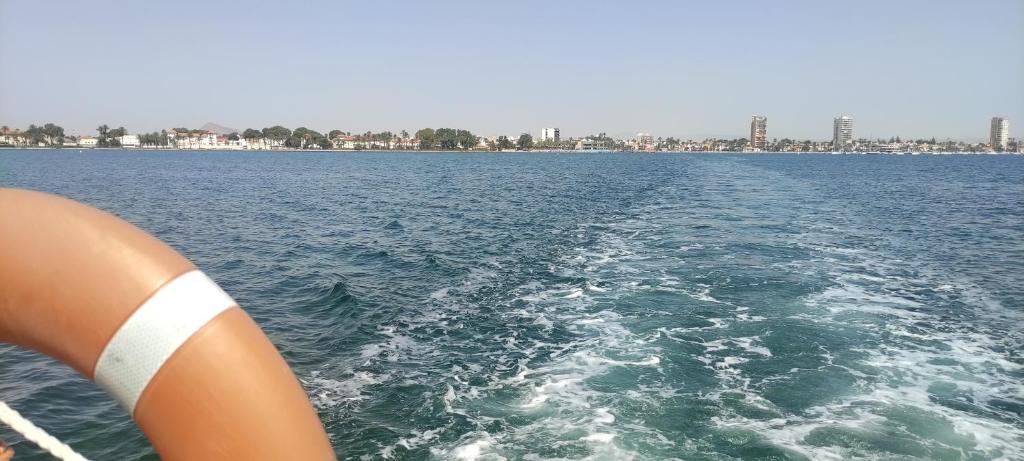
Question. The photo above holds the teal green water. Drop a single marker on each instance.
(605, 307)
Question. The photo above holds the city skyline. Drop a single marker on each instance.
(614, 68)
(217, 137)
(842, 135)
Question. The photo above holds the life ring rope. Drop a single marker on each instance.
(37, 435)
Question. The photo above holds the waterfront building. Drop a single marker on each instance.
(842, 133)
(999, 134)
(342, 141)
(591, 144)
(550, 134)
(759, 133)
(129, 140)
(644, 142)
(11, 136)
(87, 141)
(208, 140)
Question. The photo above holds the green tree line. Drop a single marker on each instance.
(446, 139)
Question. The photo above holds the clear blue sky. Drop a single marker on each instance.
(673, 68)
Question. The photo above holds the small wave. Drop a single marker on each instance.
(336, 294)
(440, 293)
(574, 294)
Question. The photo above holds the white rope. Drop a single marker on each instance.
(36, 435)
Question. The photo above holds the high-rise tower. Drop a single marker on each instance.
(999, 134)
(842, 133)
(758, 133)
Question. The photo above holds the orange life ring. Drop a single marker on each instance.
(196, 374)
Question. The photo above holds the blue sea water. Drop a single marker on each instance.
(602, 306)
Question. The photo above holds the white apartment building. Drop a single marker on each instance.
(842, 133)
(759, 133)
(999, 135)
(550, 134)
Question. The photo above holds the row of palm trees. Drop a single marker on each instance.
(47, 134)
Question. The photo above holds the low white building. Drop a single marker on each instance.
(87, 141)
(590, 144)
(11, 137)
(129, 140)
(343, 141)
(208, 140)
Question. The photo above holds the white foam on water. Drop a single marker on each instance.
(370, 350)
(603, 416)
(391, 349)
(547, 380)
(747, 344)
(550, 388)
(577, 293)
(449, 397)
(741, 317)
(472, 451)
(477, 450)
(849, 297)
(440, 293)
(727, 362)
(649, 361)
(941, 370)
(543, 322)
(788, 433)
(328, 393)
(703, 294)
(599, 437)
(418, 438)
(556, 393)
(521, 376)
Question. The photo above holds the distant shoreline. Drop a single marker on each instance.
(539, 151)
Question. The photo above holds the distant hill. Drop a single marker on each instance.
(219, 129)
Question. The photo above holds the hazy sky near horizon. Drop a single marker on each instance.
(686, 69)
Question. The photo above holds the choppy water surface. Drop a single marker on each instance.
(606, 307)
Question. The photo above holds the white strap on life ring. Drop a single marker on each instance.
(154, 331)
